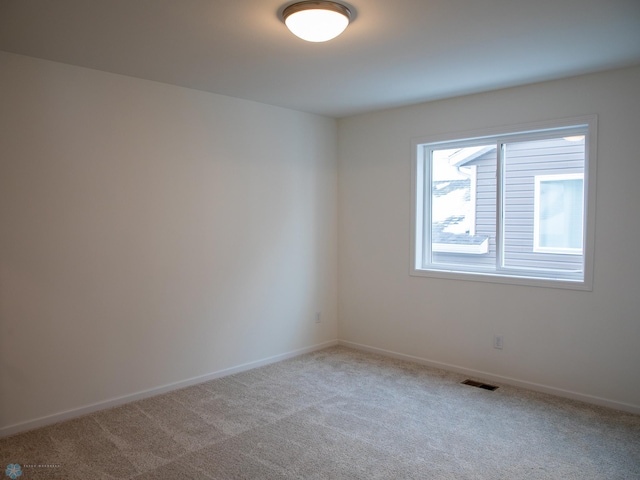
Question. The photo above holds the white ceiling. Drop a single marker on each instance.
(395, 52)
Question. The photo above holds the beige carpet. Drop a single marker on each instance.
(337, 414)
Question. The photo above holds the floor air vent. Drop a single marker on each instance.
(486, 386)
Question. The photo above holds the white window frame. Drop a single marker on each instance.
(420, 186)
(538, 179)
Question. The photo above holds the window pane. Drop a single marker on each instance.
(560, 214)
(543, 204)
(463, 199)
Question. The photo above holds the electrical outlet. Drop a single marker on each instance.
(318, 317)
(497, 342)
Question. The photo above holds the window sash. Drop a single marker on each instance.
(423, 262)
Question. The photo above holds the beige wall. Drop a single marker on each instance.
(581, 344)
(150, 234)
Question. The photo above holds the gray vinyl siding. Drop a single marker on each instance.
(486, 203)
(524, 161)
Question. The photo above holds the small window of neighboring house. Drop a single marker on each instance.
(559, 214)
(512, 206)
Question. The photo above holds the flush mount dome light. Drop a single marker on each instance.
(316, 21)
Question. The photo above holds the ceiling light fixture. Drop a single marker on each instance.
(316, 21)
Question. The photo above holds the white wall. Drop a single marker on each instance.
(582, 344)
(150, 234)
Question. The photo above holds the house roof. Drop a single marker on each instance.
(458, 238)
(466, 155)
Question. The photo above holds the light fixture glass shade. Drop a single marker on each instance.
(316, 21)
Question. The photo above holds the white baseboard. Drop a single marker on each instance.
(604, 402)
(114, 402)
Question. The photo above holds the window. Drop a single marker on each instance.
(558, 213)
(513, 206)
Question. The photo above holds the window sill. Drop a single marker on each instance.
(584, 285)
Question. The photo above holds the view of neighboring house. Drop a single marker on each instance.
(543, 204)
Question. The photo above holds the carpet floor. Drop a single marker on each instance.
(336, 414)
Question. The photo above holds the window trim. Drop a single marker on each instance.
(538, 179)
(528, 131)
